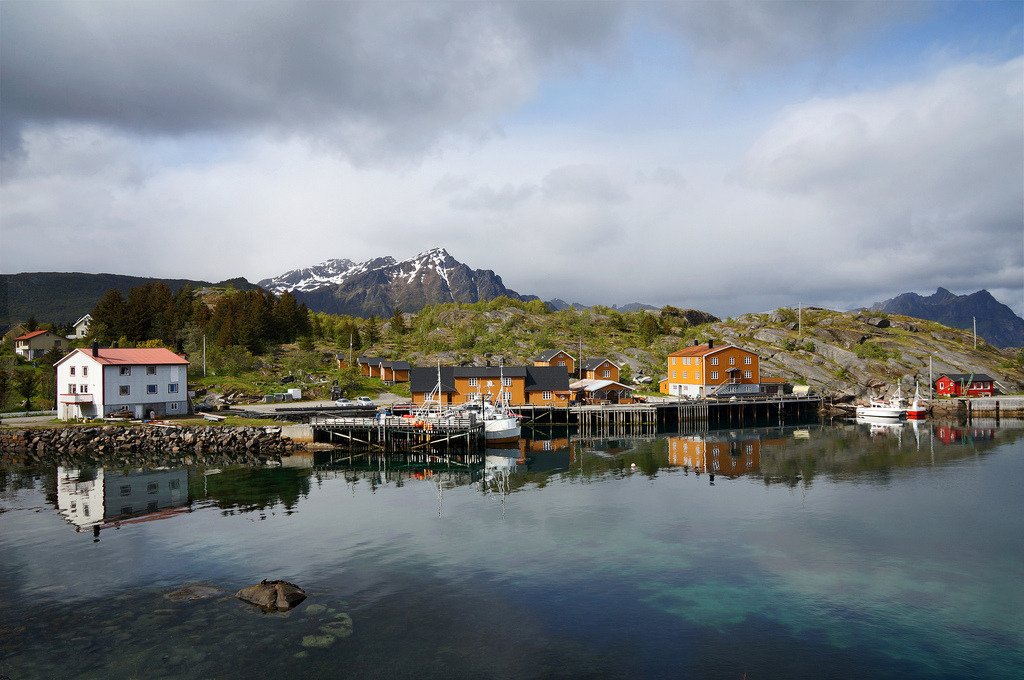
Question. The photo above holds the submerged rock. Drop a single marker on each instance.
(193, 591)
(272, 595)
(340, 627)
(318, 641)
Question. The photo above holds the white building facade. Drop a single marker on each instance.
(148, 383)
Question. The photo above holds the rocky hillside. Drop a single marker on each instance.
(996, 322)
(382, 285)
(846, 354)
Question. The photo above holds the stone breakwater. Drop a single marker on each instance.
(108, 440)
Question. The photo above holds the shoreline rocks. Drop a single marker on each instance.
(110, 439)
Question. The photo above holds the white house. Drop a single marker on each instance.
(80, 329)
(148, 382)
(106, 497)
(37, 343)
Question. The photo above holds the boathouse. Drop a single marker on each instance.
(521, 385)
(965, 385)
(556, 357)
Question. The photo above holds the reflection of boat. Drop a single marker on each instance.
(917, 410)
(881, 424)
(879, 408)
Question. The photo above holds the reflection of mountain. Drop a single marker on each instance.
(95, 497)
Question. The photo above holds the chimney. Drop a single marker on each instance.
(711, 344)
(95, 348)
(114, 344)
(696, 342)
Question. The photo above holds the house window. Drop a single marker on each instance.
(747, 360)
(126, 490)
(174, 484)
(85, 509)
(696, 375)
(125, 390)
(714, 375)
(506, 396)
(172, 388)
(686, 361)
(674, 374)
(83, 389)
(152, 487)
(714, 361)
(606, 373)
(150, 370)
(150, 389)
(473, 382)
(72, 370)
(673, 361)
(747, 374)
(125, 370)
(507, 382)
(174, 406)
(561, 363)
(71, 389)
(546, 396)
(732, 361)
(696, 361)
(684, 375)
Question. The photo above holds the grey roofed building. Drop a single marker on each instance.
(549, 354)
(547, 379)
(592, 364)
(372, 361)
(424, 379)
(396, 365)
(964, 377)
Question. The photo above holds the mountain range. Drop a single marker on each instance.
(384, 284)
(997, 323)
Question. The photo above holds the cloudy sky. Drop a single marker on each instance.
(730, 156)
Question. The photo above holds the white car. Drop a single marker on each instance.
(364, 401)
(344, 402)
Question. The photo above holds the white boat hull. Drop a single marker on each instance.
(880, 412)
(501, 430)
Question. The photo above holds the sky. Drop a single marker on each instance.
(726, 156)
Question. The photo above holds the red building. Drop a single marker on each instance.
(965, 385)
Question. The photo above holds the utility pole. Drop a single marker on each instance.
(350, 349)
(204, 355)
(800, 320)
(930, 381)
(974, 319)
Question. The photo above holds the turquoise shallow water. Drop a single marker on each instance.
(845, 551)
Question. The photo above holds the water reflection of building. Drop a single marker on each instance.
(94, 498)
(726, 453)
(953, 434)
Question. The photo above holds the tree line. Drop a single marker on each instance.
(253, 319)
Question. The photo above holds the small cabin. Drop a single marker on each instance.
(556, 357)
(600, 368)
(965, 385)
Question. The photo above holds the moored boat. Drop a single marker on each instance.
(917, 410)
(893, 408)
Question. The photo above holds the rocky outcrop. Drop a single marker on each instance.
(111, 439)
(272, 595)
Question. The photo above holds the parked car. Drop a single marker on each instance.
(364, 401)
(344, 402)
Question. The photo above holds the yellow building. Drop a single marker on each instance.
(536, 385)
(556, 357)
(709, 370)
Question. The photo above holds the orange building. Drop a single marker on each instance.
(600, 368)
(536, 385)
(556, 357)
(707, 370)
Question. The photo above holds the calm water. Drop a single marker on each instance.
(841, 552)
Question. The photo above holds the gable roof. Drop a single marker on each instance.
(424, 378)
(372, 361)
(592, 364)
(549, 354)
(87, 317)
(130, 356)
(964, 377)
(33, 334)
(547, 379)
(702, 350)
(592, 385)
(395, 365)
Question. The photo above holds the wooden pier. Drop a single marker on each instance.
(397, 433)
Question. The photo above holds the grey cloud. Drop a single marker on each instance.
(365, 77)
(502, 199)
(740, 35)
(582, 184)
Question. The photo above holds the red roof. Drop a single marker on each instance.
(132, 356)
(33, 334)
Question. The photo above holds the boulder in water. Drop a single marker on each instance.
(272, 595)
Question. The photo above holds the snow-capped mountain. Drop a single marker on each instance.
(383, 284)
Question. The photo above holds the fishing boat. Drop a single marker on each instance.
(917, 410)
(500, 424)
(895, 407)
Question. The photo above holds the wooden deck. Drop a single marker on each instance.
(400, 433)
